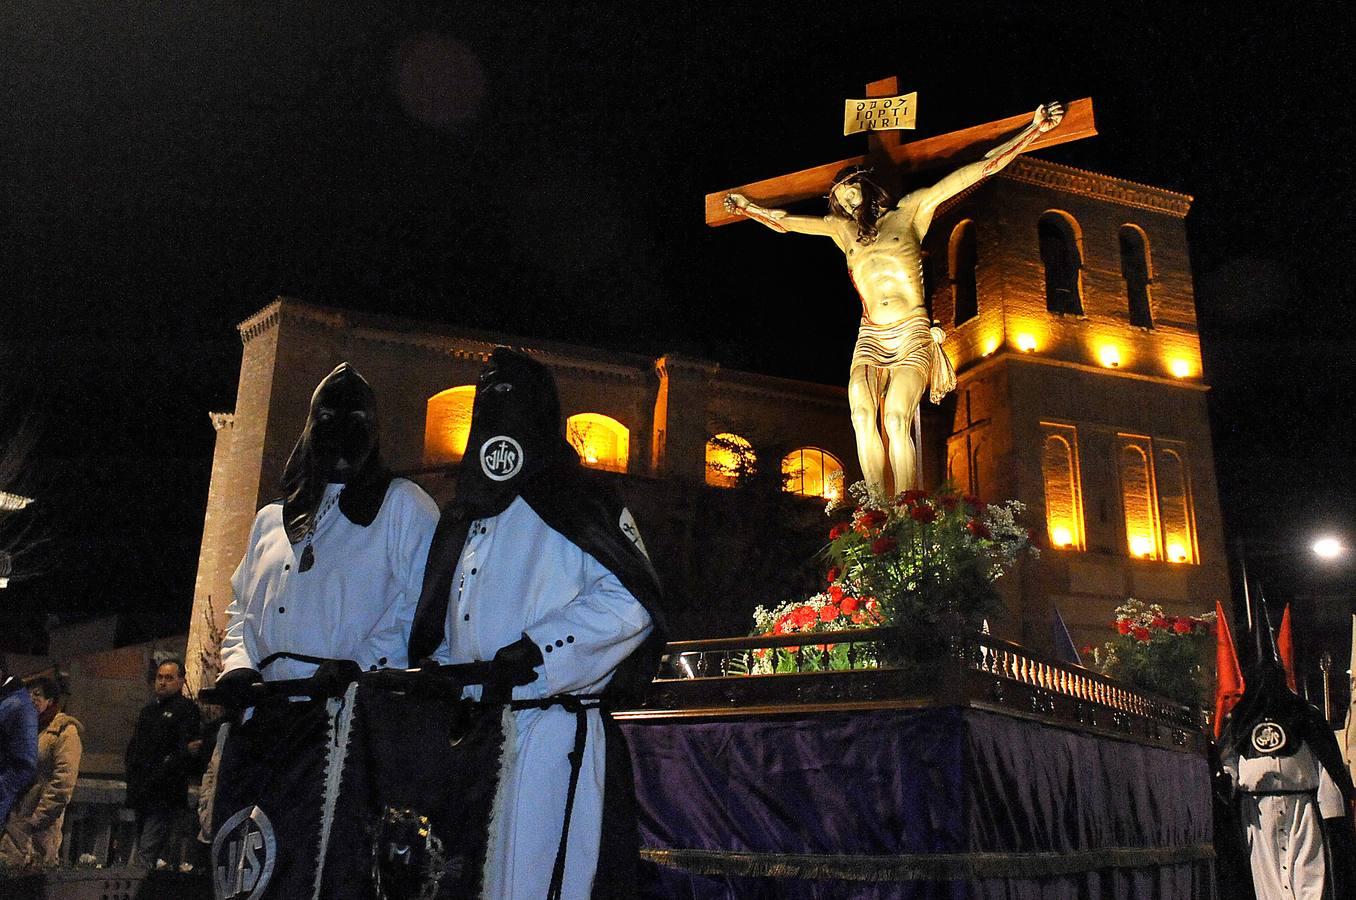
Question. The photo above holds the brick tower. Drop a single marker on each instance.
(1067, 298)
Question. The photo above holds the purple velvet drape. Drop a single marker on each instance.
(945, 803)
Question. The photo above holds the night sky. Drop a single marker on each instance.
(166, 169)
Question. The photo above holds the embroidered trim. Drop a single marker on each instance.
(341, 729)
(922, 866)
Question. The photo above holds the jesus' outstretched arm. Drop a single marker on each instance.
(778, 219)
(1047, 116)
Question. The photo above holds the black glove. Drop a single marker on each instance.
(233, 687)
(514, 664)
(519, 661)
(332, 677)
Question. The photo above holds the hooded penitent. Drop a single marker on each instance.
(1270, 720)
(517, 448)
(338, 445)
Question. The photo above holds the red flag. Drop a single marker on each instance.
(1228, 676)
(1285, 646)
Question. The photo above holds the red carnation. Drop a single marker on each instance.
(975, 503)
(978, 529)
(828, 612)
(883, 545)
(1123, 626)
(1087, 650)
(949, 501)
(1182, 626)
(870, 521)
(1159, 622)
(849, 604)
(923, 513)
(833, 574)
(838, 531)
(803, 616)
(910, 498)
(1141, 634)
(835, 593)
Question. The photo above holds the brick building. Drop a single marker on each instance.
(1067, 297)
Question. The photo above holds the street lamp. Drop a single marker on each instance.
(1327, 547)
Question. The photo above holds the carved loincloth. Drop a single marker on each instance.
(906, 344)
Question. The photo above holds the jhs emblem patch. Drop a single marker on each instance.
(501, 458)
(628, 527)
(243, 854)
(1268, 737)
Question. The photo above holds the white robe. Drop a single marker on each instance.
(517, 575)
(356, 602)
(1285, 831)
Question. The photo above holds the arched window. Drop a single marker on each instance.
(1063, 496)
(1174, 506)
(1137, 498)
(601, 441)
(963, 258)
(729, 458)
(447, 424)
(812, 472)
(1135, 270)
(1063, 260)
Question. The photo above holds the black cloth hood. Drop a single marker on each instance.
(1268, 698)
(516, 434)
(341, 426)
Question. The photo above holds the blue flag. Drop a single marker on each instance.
(1065, 651)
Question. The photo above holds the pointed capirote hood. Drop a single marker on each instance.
(1268, 698)
(1264, 652)
(338, 444)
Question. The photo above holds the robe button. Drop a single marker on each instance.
(382, 661)
(473, 571)
(287, 567)
(549, 648)
(560, 643)
(569, 639)
(466, 618)
(282, 609)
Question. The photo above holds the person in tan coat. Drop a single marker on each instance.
(33, 834)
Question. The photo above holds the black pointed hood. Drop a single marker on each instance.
(339, 444)
(1267, 698)
(516, 434)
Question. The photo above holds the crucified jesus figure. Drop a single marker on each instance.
(898, 350)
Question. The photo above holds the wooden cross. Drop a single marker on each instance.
(886, 150)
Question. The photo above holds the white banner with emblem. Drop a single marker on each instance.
(880, 113)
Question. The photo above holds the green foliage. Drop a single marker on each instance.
(931, 559)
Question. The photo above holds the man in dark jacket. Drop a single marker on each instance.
(159, 762)
(18, 739)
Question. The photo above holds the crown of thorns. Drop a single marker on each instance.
(858, 173)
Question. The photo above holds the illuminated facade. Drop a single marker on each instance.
(1067, 298)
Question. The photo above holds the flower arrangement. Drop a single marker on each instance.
(930, 557)
(925, 560)
(1167, 655)
(832, 610)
